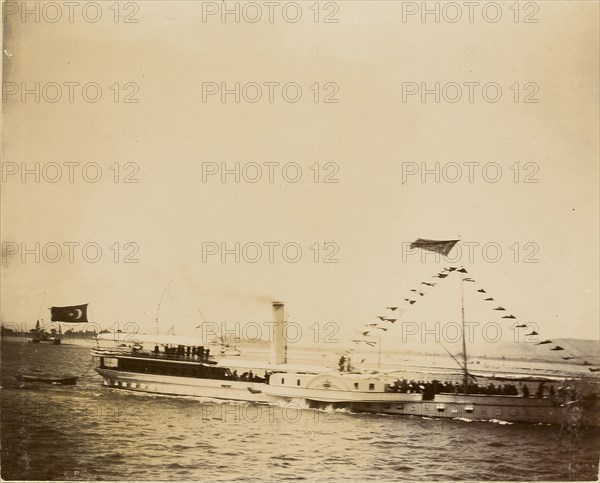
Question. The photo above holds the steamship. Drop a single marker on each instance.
(181, 366)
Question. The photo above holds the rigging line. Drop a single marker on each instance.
(457, 361)
(473, 297)
(160, 301)
(451, 355)
(185, 305)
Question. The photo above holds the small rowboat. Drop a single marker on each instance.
(64, 381)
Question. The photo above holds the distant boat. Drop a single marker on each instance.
(56, 340)
(230, 352)
(37, 334)
(40, 335)
(227, 350)
(63, 381)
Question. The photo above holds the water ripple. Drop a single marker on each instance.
(90, 432)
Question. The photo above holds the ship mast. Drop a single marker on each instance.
(464, 339)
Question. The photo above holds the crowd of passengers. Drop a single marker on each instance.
(250, 376)
(448, 387)
(202, 355)
(181, 352)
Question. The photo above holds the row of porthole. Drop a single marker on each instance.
(442, 408)
(439, 407)
(131, 385)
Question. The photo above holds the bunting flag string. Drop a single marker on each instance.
(444, 247)
(398, 310)
(500, 308)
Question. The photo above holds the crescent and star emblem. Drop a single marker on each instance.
(76, 314)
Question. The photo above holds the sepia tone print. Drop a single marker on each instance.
(300, 240)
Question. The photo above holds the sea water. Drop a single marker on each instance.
(93, 432)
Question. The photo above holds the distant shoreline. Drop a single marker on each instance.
(593, 358)
(391, 361)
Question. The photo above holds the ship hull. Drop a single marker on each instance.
(478, 408)
(185, 386)
(512, 409)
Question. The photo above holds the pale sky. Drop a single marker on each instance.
(369, 214)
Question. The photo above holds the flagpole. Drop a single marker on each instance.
(464, 339)
(43, 294)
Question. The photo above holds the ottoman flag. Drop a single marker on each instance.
(71, 313)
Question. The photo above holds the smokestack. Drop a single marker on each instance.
(278, 345)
